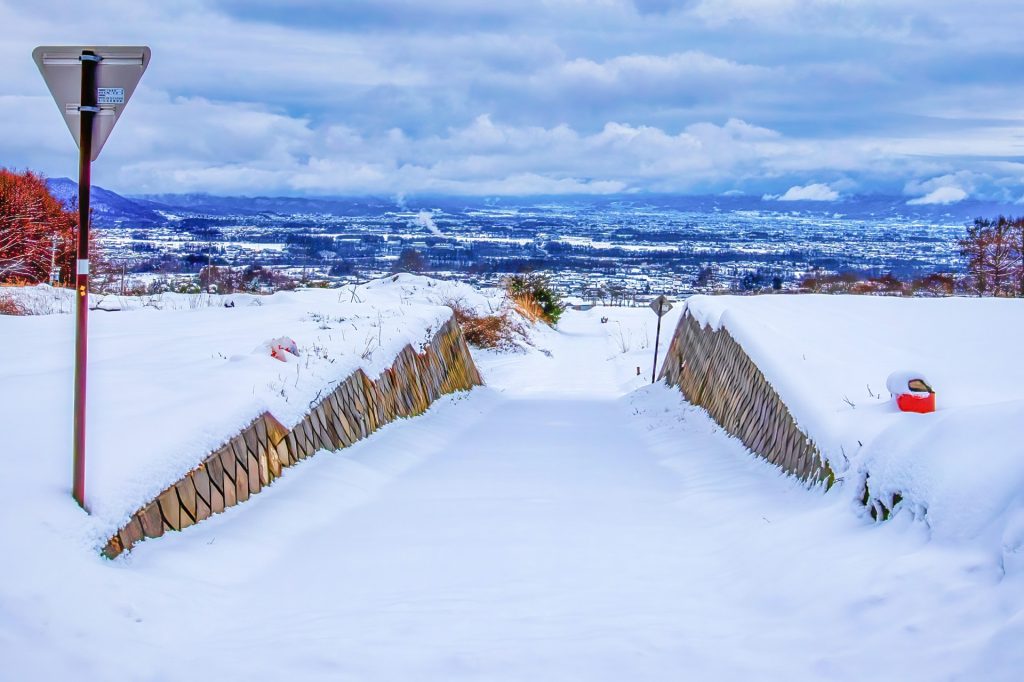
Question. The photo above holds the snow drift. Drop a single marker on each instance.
(168, 386)
(961, 468)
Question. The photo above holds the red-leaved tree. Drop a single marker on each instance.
(32, 221)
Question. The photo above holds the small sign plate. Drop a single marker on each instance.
(661, 305)
(110, 95)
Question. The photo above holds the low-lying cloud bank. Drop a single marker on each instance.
(817, 191)
(942, 195)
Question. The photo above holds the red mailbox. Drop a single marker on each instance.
(911, 391)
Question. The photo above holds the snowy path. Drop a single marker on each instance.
(548, 527)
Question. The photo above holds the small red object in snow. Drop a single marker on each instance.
(908, 402)
(912, 392)
(281, 345)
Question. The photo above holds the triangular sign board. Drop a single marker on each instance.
(661, 305)
(117, 73)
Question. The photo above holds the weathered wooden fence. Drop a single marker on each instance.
(251, 460)
(714, 372)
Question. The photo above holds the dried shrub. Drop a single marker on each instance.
(500, 331)
(853, 283)
(935, 284)
(535, 297)
(9, 305)
(529, 308)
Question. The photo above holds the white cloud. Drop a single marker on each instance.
(290, 155)
(817, 191)
(943, 189)
(236, 148)
(673, 70)
(193, 144)
(942, 195)
(583, 95)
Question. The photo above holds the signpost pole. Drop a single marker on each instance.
(88, 109)
(660, 306)
(657, 338)
(91, 85)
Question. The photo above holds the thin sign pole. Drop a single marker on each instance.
(87, 110)
(657, 338)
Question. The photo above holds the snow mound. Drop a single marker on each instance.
(405, 287)
(43, 299)
(474, 308)
(960, 468)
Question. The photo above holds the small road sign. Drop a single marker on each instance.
(661, 305)
(91, 86)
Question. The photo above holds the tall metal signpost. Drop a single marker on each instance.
(660, 306)
(91, 86)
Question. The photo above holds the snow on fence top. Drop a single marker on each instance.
(168, 386)
(828, 357)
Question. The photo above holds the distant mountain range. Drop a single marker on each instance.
(108, 208)
(111, 209)
(218, 205)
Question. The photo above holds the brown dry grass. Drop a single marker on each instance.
(500, 331)
(11, 306)
(529, 308)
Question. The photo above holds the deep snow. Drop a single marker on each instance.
(959, 469)
(169, 384)
(553, 525)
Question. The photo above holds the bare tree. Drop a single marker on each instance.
(992, 249)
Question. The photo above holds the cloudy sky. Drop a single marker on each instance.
(815, 99)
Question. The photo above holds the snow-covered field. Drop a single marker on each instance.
(568, 521)
(172, 377)
(961, 469)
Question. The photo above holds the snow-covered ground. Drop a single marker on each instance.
(172, 377)
(961, 469)
(554, 525)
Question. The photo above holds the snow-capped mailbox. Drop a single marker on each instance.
(281, 345)
(911, 391)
